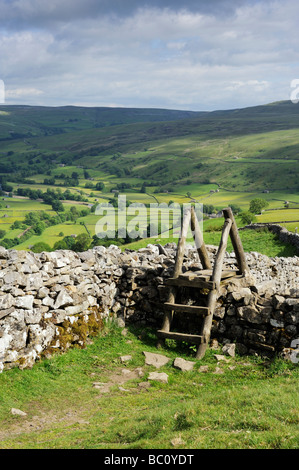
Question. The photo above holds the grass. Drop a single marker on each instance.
(277, 216)
(252, 404)
(15, 209)
(261, 241)
(51, 235)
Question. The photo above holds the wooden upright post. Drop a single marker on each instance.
(216, 278)
(181, 244)
(236, 241)
(199, 243)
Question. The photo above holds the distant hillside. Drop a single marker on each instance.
(239, 149)
(31, 121)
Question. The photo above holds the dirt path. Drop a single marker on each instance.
(45, 420)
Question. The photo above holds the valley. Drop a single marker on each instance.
(82, 157)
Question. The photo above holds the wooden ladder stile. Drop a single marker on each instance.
(207, 278)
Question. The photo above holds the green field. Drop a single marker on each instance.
(17, 209)
(262, 242)
(218, 159)
(51, 235)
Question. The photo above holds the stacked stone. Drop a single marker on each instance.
(257, 319)
(44, 297)
(40, 292)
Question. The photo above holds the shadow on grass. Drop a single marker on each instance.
(148, 337)
(288, 251)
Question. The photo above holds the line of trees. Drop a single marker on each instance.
(52, 197)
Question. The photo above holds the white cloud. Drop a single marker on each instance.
(158, 57)
(17, 93)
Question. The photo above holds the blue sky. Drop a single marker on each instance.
(192, 55)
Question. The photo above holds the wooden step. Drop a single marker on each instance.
(196, 339)
(181, 308)
(200, 279)
(185, 282)
(226, 273)
(206, 274)
(190, 275)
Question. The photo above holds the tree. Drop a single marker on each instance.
(257, 204)
(40, 246)
(74, 212)
(100, 186)
(6, 187)
(208, 208)
(247, 217)
(16, 225)
(39, 228)
(66, 243)
(57, 206)
(82, 242)
(49, 181)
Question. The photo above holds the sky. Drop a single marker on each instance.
(198, 55)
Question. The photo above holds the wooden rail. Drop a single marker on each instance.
(236, 241)
(199, 242)
(216, 278)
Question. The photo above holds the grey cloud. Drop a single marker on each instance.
(25, 13)
(189, 55)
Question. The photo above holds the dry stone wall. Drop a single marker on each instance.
(52, 301)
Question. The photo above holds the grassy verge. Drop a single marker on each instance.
(243, 402)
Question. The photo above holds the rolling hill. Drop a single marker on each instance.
(33, 121)
(57, 164)
(255, 148)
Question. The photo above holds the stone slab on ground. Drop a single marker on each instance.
(156, 360)
(158, 376)
(183, 364)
